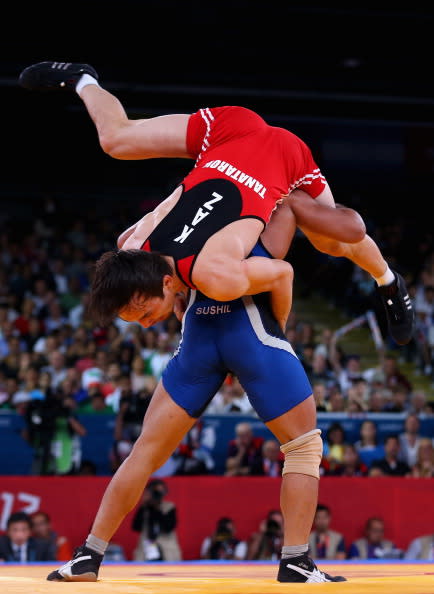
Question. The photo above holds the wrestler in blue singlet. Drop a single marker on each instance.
(241, 337)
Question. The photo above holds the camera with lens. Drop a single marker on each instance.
(273, 528)
(157, 495)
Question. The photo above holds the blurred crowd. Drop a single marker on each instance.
(56, 364)
(31, 538)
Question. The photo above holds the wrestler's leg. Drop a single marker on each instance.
(364, 253)
(123, 138)
(164, 426)
(299, 492)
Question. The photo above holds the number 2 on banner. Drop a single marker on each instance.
(31, 505)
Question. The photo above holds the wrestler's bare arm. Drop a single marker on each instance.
(323, 218)
(123, 138)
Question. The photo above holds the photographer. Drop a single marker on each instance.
(128, 424)
(53, 431)
(267, 542)
(156, 521)
(223, 544)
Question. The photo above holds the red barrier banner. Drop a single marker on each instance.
(405, 504)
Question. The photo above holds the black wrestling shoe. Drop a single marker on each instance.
(303, 569)
(399, 310)
(83, 567)
(49, 76)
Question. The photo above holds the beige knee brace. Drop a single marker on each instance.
(303, 454)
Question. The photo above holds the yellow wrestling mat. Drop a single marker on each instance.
(222, 578)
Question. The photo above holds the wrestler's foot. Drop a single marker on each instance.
(399, 310)
(303, 569)
(83, 567)
(49, 76)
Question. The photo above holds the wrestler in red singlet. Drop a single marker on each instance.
(243, 168)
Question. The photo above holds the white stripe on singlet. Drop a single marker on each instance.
(307, 179)
(192, 299)
(259, 330)
(208, 118)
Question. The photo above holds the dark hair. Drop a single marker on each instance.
(222, 524)
(322, 507)
(40, 513)
(393, 436)
(118, 275)
(336, 426)
(19, 517)
(157, 483)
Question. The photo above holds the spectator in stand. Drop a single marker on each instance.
(125, 357)
(347, 368)
(424, 466)
(22, 322)
(306, 356)
(319, 391)
(379, 398)
(409, 440)
(41, 295)
(418, 400)
(128, 423)
(391, 465)
(241, 400)
(149, 340)
(367, 446)
(9, 387)
(372, 545)
(351, 464)
(398, 402)
(35, 332)
(78, 348)
(172, 327)
(244, 451)
(323, 345)
(140, 380)
(223, 401)
(95, 403)
(161, 357)
(73, 296)
(19, 546)
(56, 368)
(112, 381)
(231, 398)
(271, 461)
(59, 275)
(336, 401)
(266, 543)
(87, 468)
(77, 313)
(390, 375)
(194, 455)
(421, 547)
(42, 529)
(122, 385)
(223, 543)
(55, 318)
(334, 447)
(320, 370)
(156, 521)
(325, 543)
(355, 405)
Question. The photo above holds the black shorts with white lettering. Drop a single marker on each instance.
(200, 212)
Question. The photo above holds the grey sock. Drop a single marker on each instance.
(96, 544)
(289, 552)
